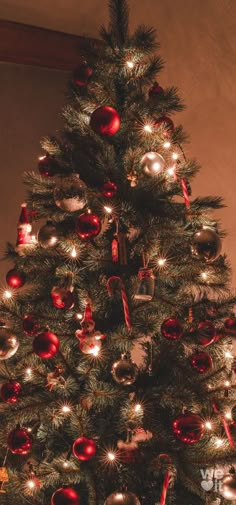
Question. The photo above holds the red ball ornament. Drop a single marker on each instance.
(88, 225)
(230, 325)
(172, 328)
(46, 345)
(109, 189)
(188, 428)
(65, 496)
(48, 166)
(201, 362)
(15, 279)
(166, 123)
(62, 298)
(105, 121)
(82, 74)
(29, 324)
(206, 333)
(84, 448)
(10, 391)
(155, 91)
(20, 441)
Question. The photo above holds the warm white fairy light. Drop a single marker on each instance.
(228, 354)
(66, 409)
(31, 484)
(79, 316)
(167, 144)
(227, 384)
(219, 442)
(175, 156)
(171, 171)
(138, 408)
(28, 373)
(7, 294)
(108, 209)
(204, 275)
(66, 464)
(148, 128)
(130, 64)
(33, 239)
(29, 430)
(73, 252)
(228, 415)
(95, 350)
(209, 386)
(208, 425)
(53, 240)
(111, 456)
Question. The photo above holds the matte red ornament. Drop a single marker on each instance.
(166, 123)
(46, 345)
(65, 496)
(201, 362)
(20, 441)
(84, 448)
(206, 333)
(82, 74)
(29, 324)
(109, 189)
(88, 225)
(62, 298)
(15, 279)
(47, 166)
(188, 428)
(172, 328)
(155, 91)
(10, 391)
(105, 121)
(230, 325)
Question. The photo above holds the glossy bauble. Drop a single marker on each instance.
(90, 345)
(122, 498)
(62, 298)
(88, 225)
(166, 124)
(188, 428)
(152, 163)
(124, 371)
(29, 324)
(206, 244)
(48, 166)
(84, 448)
(230, 325)
(15, 279)
(172, 329)
(46, 345)
(201, 362)
(109, 189)
(8, 344)
(155, 92)
(82, 74)
(105, 121)
(206, 333)
(65, 496)
(20, 441)
(10, 391)
(48, 235)
(228, 486)
(69, 194)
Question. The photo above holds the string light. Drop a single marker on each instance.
(111, 456)
(28, 373)
(130, 64)
(208, 425)
(66, 464)
(7, 294)
(175, 156)
(148, 128)
(95, 350)
(167, 144)
(227, 384)
(219, 442)
(65, 408)
(73, 252)
(31, 484)
(108, 209)
(79, 316)
(138, 408)
(171, 171)
(53, 240)
(228, 415)
(228, 354)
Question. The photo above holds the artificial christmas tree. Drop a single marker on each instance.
(122, 250)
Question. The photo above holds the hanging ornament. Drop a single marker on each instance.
(29, 324)
(206, 333)
(62, 297)
(70, 193)
(152, 163)
(84, 448)
(82, 74)
(88, 225)
(46, 345)
(55, 378)
(90, 345)
(20, 441)
(90, 339)
(172, 329)
(15, 279)
(65, 496)
(115, 249)
(122, 498)
(109, 189)
(8, 344)
(48, 166)
(124, 371)
(166, 124)
(10, 391)
(201, 362)
(117, 280)
(230, 325)
(48, 235)
(24, 228)
(105, 121)
(3, 478)
(206, 244)
(155, 92)
(228, 486)
(188, 428)
(146, 287)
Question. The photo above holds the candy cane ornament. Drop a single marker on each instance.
(118, 280)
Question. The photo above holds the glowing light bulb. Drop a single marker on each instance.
(95, 350)
(29, 372)
(73, 252)
(65, 464)
(30, 484)
(171, 171)
(204, 276)
(53, 240)
(228, 354)
(111, 456)
(175, 156)
(138, 407)
(66, 409)
(7, 294)
(208, 425)
(147, 128)
(130, 64)
(29, 430)
(167, 144)
(108, 209)
(33, 239)
(227, 384)
(79, 316)
(219, 442)
(161, 262)
(228, 415)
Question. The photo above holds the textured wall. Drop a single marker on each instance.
(198, 41)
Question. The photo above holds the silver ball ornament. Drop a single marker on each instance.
(206, 244)
(69, 194)
(228, 486)
(152, 163)
(124, 371)
(8, 344)
(122, 498)
(48, 235)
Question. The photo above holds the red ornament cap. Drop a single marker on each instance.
(65, 496)
(20, 441)
(88, 225)
(84, 448)
(46, 345)
(201, 362)
(15, 279)
(188, 428)
(105, 121)
(109, 189)
(10, 391)
(172, 329)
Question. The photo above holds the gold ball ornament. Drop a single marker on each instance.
(122, 498)
(124, 371)
(8, 344)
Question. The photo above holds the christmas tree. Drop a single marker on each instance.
(117, 384)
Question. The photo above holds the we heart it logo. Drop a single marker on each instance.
(207, 484)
